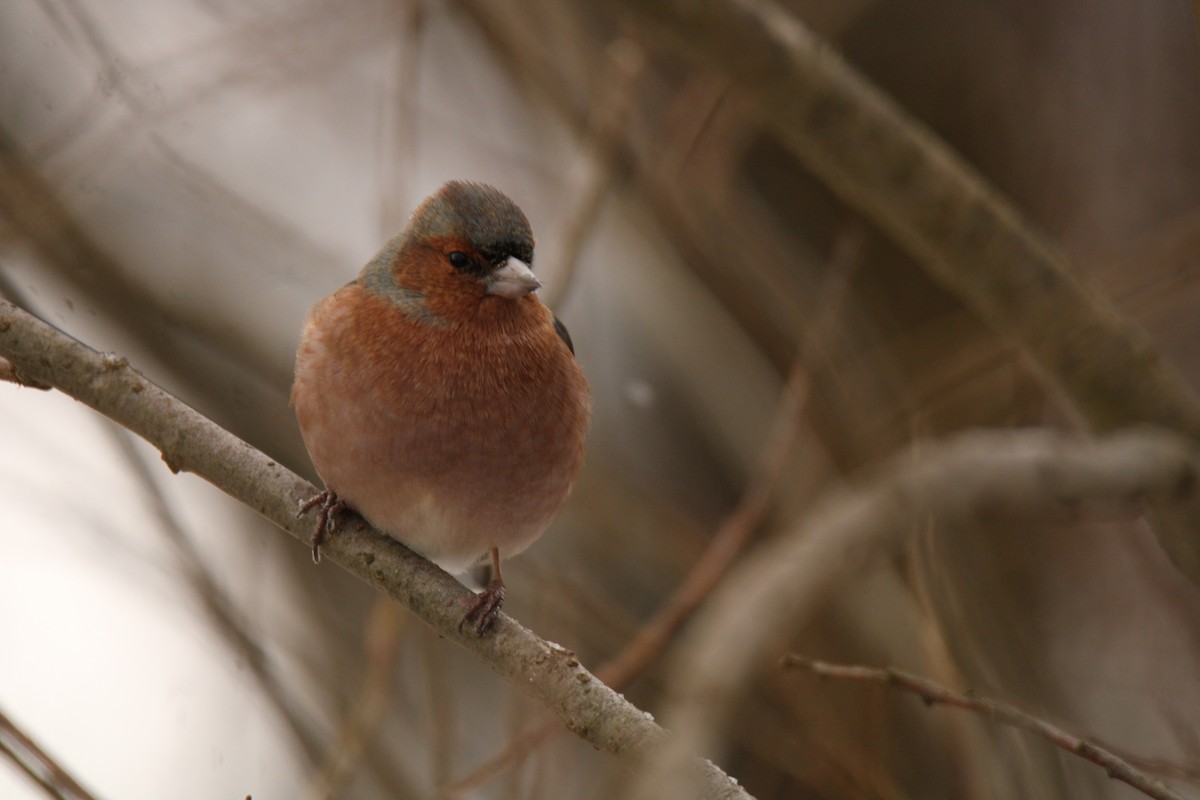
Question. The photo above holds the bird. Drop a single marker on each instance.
(439, 398)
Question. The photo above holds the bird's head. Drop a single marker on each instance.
(471, 237)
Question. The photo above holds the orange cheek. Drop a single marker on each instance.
(450, 294)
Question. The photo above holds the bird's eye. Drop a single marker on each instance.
(459, 260)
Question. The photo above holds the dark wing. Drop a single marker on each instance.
(561, 330)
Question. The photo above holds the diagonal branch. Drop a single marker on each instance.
(735, 531)
(35, 762)
(883, 162)
(190, 442)
(652, 637)
(932, 693)
(992, 475)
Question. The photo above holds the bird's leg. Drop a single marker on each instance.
(330, 506)
(487, 604)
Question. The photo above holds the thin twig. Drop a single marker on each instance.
(35, 762)
(1013, 475)
(1181, 770)
(739, 526)
(734, 532)
(932, 693)
(189, 441)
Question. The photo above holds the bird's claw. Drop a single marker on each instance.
(330, 506)
(485, 609)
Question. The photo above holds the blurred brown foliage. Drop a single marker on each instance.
(180, 185)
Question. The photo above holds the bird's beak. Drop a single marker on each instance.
(515, 279)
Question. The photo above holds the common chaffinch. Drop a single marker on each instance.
(438, 397)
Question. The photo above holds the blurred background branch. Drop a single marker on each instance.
(1016, 476)
(1017, 185)
(937, 208)
(932, 694)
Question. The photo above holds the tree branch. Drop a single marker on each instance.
(932, 693)
(1000, 475)
(654, 635)
(190, 442)
(38, 764)
(880, 160)
(735, 531)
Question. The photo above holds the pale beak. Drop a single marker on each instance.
(515, 279)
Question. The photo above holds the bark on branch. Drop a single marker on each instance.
(190, 442)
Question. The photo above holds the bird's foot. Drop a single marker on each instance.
(485, 608)
(330, 506)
